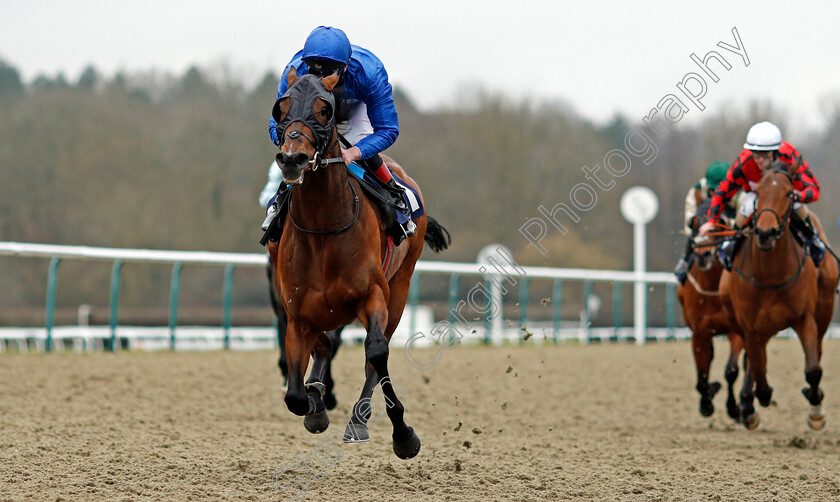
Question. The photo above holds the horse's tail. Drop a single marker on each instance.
(436, 236)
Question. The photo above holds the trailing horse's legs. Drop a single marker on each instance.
(703, 349)
(749, 417)
(300, 340)
(316, 420)
(736, 345)
(811, 344)
(406, 442)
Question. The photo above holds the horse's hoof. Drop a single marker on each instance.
(408, 448)
(317, 422)
(734, 412)
(816, 418)
(707, 407)
(330, 402)
(751, 422)
(356, 433)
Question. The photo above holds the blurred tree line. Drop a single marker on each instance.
(151, 160)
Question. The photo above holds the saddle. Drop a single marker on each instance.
(379, 194)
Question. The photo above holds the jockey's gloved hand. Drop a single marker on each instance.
(797, 196)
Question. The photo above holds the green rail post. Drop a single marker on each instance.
(52, 279)
(617, 309)
(413, 297)
(228, 295)
(115, 301)
(174, 289)
(670, 309)
(557, 307)
(524, 286)
(454, 285)
(587, 315)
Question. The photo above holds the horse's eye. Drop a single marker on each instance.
(324, 114)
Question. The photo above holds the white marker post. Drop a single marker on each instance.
(639, 206)
(490, 259)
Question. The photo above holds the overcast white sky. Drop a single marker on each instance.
(599, 56)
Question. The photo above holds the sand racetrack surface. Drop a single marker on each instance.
(598, 422)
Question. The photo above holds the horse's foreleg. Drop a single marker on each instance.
(406, 442)
(280, 313)
(316, 420)
(736, 346)
(701, 344)
(758, 364)
(300, 341)
(811, 344)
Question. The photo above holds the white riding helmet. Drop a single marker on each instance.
(763, 136)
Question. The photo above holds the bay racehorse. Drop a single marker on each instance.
(330, 262)
(704, 315)
(774, 285)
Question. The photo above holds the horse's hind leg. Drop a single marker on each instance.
(749, 417)
(736, 345)
(357, 430)
(811, 344)
(406, 442)
(703, 349)
(317, 421)
(330, 400)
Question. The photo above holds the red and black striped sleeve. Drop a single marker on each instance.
(804, 182)
(806, 185)
(731, 185)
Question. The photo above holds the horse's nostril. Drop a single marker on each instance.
(301, 159)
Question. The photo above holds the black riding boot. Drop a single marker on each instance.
(401, 227)
(406, 227)
(810, 238)
(684, 265)
(727, 250)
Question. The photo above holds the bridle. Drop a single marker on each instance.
(322, 147)
(774, 235)
(318, 159)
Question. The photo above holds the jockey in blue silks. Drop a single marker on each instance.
(365, 112)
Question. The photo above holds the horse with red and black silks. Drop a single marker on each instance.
(764, 148)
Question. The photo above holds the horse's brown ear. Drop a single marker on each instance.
(291, 76)
(330, 82)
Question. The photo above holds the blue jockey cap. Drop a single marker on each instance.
(326, 42)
